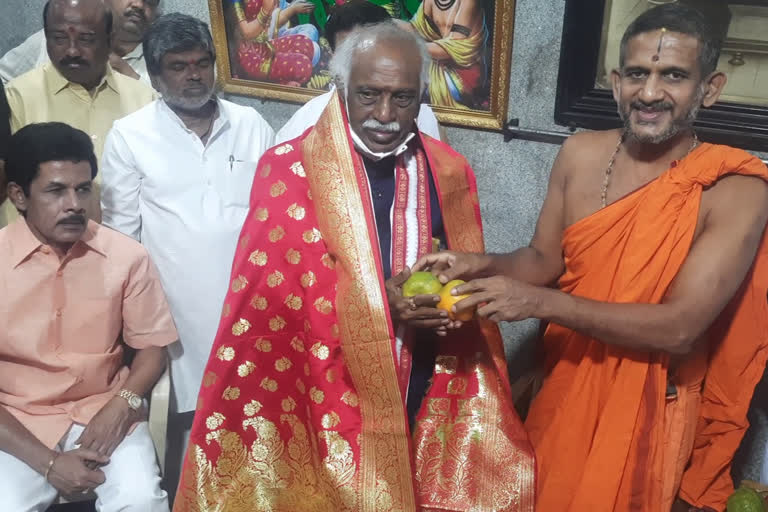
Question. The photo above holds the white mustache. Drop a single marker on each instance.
(372, 124)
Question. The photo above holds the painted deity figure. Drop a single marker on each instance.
(269, 48)
(456, 34)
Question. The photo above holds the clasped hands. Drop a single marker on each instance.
(497, 298)
(78, 470)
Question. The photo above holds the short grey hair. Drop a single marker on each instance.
(174, 33)
(364, 38)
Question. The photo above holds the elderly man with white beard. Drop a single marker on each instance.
(316, 388)
(176, 177)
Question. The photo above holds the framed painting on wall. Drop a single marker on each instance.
(592, 34)
(277, 49)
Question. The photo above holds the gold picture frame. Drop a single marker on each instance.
(488, 110)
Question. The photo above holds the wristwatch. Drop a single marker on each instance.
(134, 400)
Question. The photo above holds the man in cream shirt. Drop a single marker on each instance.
(78, 86)
(131, 20)
(177, 177)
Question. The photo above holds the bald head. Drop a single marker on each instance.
(77, 33)
(92, 10)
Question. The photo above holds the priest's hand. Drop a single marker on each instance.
(108, 428)
(418, 311)
(499, 299)
(450, 265)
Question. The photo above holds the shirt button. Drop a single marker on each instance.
(58, 313)
(45, 250)
(59, 273)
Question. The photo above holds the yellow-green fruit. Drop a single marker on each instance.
(746, 500)
(421, 283)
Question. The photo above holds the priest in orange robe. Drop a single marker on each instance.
(306, 398)
(658, 326)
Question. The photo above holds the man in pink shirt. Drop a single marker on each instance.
(74, 294)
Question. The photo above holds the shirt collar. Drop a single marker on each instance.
(135, 54)
(24, 242)
(92, 239)
(222, 118)
(57, 82)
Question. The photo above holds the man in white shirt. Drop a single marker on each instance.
(131, 19)
(177, 176)
(345, 18)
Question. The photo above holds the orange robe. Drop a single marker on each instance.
(606, 436)
(301, 406)
(736, 365)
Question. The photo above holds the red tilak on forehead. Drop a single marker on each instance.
(71, 30)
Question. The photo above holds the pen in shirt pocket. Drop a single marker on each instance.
(232, 161)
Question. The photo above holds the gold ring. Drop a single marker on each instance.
(413, 305)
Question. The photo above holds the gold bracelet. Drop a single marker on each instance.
(50, 465)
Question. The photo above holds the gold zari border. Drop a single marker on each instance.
(385, 467)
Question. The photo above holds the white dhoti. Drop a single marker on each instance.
(132, 478)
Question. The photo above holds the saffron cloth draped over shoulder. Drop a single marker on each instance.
(302, 405)
(606, 434)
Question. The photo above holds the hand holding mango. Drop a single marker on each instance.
(421, 283)
(447, 300)
(425, 283)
